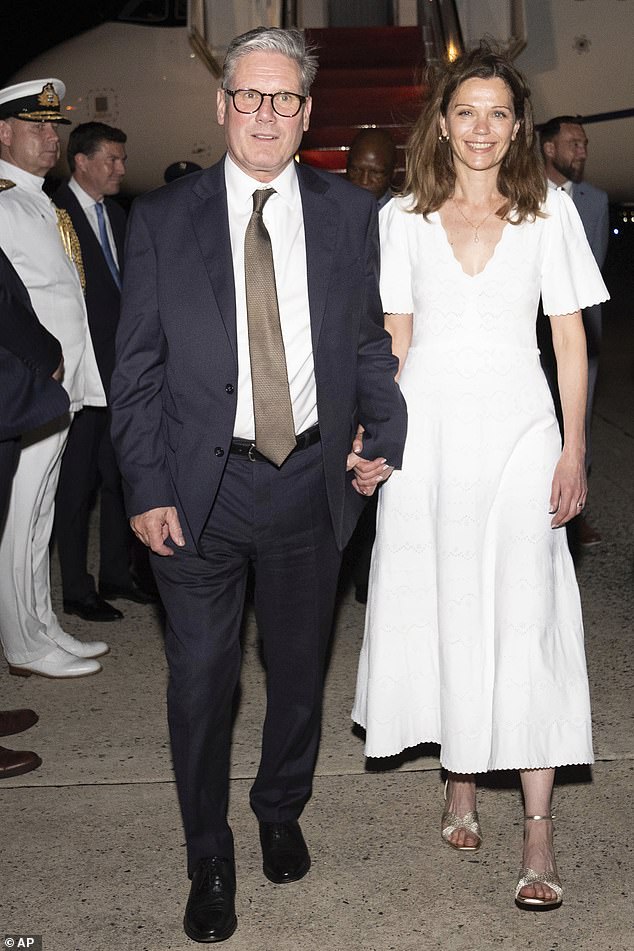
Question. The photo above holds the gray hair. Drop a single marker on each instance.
(272, 39)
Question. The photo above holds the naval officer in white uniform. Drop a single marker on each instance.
(44, 251)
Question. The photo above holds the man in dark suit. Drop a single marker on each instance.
(370, 165)
(222, 267)
(564, 147)
(31, 366)
(96, 156)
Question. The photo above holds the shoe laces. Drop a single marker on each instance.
(212, 878)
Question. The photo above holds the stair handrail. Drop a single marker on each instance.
(440, 27)
(196, 33)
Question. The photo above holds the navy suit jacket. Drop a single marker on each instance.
(103, 298)
(175, 383)
(29, 354)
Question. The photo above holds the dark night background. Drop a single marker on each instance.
(29, 27)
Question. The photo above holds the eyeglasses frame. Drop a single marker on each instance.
(263, 96)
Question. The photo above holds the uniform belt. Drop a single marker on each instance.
(245, 447)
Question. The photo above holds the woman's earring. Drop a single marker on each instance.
(443, 137)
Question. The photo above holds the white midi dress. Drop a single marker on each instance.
(473, 636)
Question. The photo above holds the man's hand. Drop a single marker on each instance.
(155, 526)
(368, 472)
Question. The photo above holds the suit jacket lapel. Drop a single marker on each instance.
(579, 195)
(208, 207)
(88, 238)
(321, 222)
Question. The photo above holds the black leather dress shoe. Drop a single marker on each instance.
(93, 608)
(16, 721)
(17, 762)
(210, 914)
(284, 852)
(129, 592)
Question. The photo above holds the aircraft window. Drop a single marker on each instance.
(145, 11)
(181, 10)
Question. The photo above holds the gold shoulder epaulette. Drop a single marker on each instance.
(5, 184)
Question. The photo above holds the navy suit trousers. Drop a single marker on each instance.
(279, 521)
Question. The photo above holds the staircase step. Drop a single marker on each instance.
(332, 159)
(377, 106)
(336, 159)
(341, 136)
(369, 76)
(358, 46)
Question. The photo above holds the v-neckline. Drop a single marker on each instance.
(454, 258)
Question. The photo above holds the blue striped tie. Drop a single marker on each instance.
(105, 245)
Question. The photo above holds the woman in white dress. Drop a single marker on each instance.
(473, 636)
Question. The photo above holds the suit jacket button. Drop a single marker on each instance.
(229, 388)
(219, 451)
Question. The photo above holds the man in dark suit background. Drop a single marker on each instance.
(564, 146)
(370, 165)
(96, 156)
(196, 421)
(31, 367)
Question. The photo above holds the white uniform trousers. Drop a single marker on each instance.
(26, 613)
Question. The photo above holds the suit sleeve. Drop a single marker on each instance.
(21, 333)
(138, 379)
(600, 245)
(381, 407)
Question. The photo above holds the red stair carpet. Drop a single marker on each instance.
(367, 77)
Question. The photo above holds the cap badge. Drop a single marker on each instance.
(48, 96)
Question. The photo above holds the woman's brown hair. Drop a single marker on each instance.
(430, 176)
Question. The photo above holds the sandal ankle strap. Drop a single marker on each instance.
(539, 818)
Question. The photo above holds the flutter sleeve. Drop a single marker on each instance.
(571, 279)
(396, 282)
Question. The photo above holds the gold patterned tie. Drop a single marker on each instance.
(274, 427)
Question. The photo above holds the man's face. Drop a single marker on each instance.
(263, 143)
(31, 146)
(370, 167)
(101, 173)
(568, 151)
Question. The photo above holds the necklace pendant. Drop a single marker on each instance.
(476, 238)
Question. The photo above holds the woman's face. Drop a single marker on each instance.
(480, 123)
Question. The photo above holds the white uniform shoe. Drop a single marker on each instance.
(78, 648)
(59, 663)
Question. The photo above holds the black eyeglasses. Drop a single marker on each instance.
(286, 104)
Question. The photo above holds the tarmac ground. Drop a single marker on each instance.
(93, 854)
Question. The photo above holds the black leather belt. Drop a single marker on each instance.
(244, 447)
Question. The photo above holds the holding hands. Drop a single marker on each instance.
(368, 472)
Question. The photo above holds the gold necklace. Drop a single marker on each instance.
(476, 228)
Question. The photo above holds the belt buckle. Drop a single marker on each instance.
(252, 449)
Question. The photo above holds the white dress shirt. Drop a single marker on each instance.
(565, 187)
(88, 206)
(30, 238)
(284, 220)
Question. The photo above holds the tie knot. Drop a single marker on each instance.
(260, 198)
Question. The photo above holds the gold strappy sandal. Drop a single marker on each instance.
(451, 823)
(529, 876)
